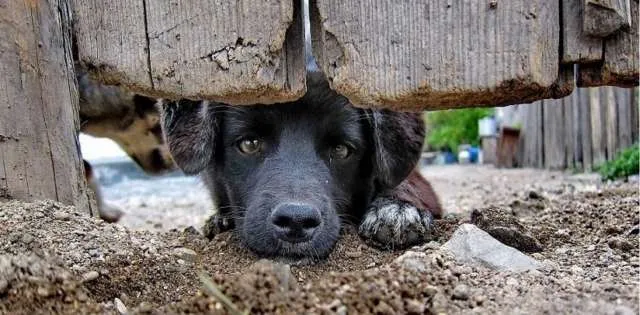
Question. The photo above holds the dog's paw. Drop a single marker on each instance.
(215, 225)
(395, 224)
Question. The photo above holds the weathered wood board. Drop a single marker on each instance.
(238, 52)
(604, 17)
(39, 154)
(577, 47)
(439, 54)
(580, 131)
(620, 66)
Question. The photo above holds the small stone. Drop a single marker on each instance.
(354, 254)
(479, 299)
(90, 276)
(27, 238)
(185, 253)
(62, 216)
(4, 286)
(342, 310)
(120, 307)
(470, 244)
(415, 307)
(145, 307)
(619, 243)
(430, 290)
(415, 261)
(591, 248)
(42, 291)
(576, 270)
(461, 292)
(534, 194)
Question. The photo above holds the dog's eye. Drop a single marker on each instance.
(341, 151)
(249, 146)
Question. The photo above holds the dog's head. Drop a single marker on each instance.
(131, 120)
(287, 174)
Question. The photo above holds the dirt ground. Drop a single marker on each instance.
(54, 259)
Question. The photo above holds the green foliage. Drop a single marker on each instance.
(626, 163)
(450, 128)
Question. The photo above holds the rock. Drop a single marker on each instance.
(634, 230)
(186, 254)
(120, 307)
(27, 238)
(461, 292)
(4, 286)
(62, 216)
(415, 261)
(90, 276)
(620, 243)
(505, 227)
(469, 244)
(415, 307)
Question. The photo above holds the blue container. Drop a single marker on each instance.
(474, 152)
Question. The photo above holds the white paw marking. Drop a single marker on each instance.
(396, 224)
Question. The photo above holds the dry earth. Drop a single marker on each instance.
(54, 259)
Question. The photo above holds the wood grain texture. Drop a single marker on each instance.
(604, 17)
(577, 47)
(238, 52)
(620, 66)
(554, 136)
(39, 151)
(438, 54)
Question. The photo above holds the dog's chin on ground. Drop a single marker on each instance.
(314, 250)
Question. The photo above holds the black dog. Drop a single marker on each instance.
(285, 176)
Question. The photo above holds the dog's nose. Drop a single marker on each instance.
(295, 223)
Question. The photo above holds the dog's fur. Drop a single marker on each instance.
(130, 120)
(296, 170)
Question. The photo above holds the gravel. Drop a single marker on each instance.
(50, 255)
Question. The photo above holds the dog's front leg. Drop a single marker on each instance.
(402, 217)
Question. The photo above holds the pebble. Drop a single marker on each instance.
(120, 307)
(415, 307)
(42, 291)
(461, 292)
(4, 286)
(62, 216)
(27, 238)
(185, 253)
(90, 276)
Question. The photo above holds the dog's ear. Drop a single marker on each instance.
(190, 128)
(398, 138)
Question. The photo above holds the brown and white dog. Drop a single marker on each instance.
(130, 120)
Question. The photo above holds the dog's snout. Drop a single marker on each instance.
(295, 223)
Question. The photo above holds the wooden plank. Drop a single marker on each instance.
(620, 66)
(635, 115)
(239, 52)
(585, 128)
(39, 153)
(611, 114)
(576, 46)
(598, 131)
(539, 128)
(625, 120)
(554, 138)
(577, 129)
(440, 54)
(568, 137)
(604, 17)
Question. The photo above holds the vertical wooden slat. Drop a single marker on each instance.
(569, 138)
(598, 131)
(611, 117)
(554, 147)
(585, 127)
(623, 104)
(39, 153)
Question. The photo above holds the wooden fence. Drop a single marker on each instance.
(579, 131)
